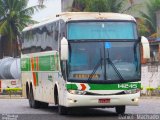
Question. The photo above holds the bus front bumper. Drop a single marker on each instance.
(74, 100)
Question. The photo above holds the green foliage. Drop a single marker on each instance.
(104, 5)
(142, 88)
(150, 88)
(99, 5)
(142, 29)
(14, 16)
(117, 6)
(150, 17)
(13, 89)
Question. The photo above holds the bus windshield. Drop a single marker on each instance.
(97, 51)
(104, 61)
(102, 30)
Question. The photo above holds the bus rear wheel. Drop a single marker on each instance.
(120, 110)
(32, 102)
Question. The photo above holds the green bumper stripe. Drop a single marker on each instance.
(121, 86)
(71, 87)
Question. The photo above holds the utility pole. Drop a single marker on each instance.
(158, 23)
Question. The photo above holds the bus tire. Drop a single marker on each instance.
(120, 110)
(44, 105)
(61, 109)
(32, 102)
(27, 90)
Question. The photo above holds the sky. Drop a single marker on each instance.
(52, 8)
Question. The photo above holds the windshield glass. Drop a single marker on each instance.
(103, 61)
(123, 58)
(102, 30)
(103, 51)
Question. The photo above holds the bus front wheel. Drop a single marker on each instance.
(120, 110)
(61, 109)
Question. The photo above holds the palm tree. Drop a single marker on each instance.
(14, 16)
(103, 5)
(100, 5)
(150, 17)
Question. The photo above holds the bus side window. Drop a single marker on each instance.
(52, 36)
(41, 39)
(56, 35)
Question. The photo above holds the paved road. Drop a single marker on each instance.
(19, 110)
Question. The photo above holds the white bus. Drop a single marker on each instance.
(83, 60)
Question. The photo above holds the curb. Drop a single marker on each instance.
(149, 97)
(11, 97)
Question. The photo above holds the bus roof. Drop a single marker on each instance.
(94, 16)
(69, 16)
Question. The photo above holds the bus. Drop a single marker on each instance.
(83, 59)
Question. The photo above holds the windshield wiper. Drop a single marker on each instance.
(95, 69)
(114, 67)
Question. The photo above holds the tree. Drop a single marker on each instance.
(142, 29)
(97, 5)
(14, 16)
(103, 5)
(150, 17)
(100, 5)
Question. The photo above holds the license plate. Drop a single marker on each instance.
(104, 101)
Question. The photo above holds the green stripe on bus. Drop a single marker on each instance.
(45, 63)
(25, 64)
(121, 86)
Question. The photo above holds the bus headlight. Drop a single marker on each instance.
(78, 92)
(132, 91)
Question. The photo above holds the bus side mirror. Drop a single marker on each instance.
(64, 49)
(146, 47)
